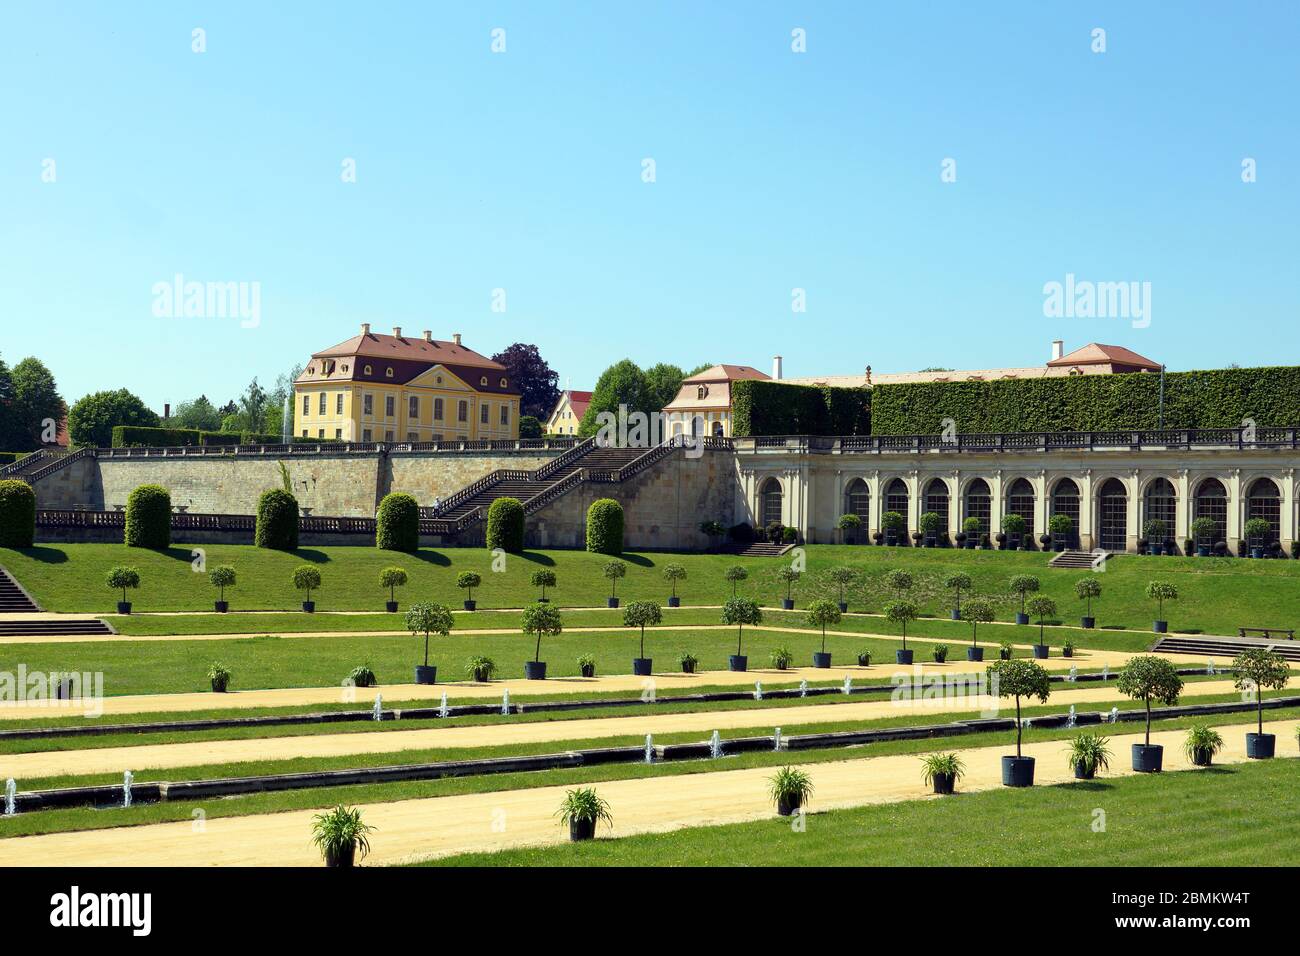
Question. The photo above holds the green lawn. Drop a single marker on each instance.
(1211, 816)
(1216, 595)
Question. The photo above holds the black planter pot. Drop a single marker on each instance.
(1017, 771)
(903, 657)
(974, 653)
(1067, 652)
(787, 604)
(581, 830)
(1202, 552)
(535, 670)
(1202, 757)
(844, 607)
(587, 670)
(864, 660)
(1087, 623)
(543, 600)
(309, 607)
(955, 614)
(221, 606)
(674, 602)
(426, 674)
(737, 662)
(482, 676)
(1041, 652)
(787, 804)
(1022, 618)
(1083, 772)
(390, 607)
(1148, 758)
(613, 602)
(641, 666)
(688, 668)
(344, 857)
(1261, 746)
(1160, 627)
(1059, 546)
(471, 605)
(1004, 655)
(940, 658)
(219, 686)
(123, 607)
(821, 660)
(945, 783)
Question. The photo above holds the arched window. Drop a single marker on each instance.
(1212, 503)
(1112, 515)
(1065, 501)
(717, 430)
(896, 497)
(1020, 501)
(769, 500)
(978, 504)
(936, 500)
(701, 392)
(1263, 500)
(857, 501)
(1162, 506)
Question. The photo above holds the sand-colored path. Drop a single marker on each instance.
(199, 753)
(441, 826)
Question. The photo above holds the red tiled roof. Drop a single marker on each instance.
(579, 401)
(415, 348)
(1094, 353)
(726, 373)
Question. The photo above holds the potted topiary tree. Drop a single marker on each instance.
(1085, 589)
(1257, 669)
(339, 833)
(540, 620)
(1160, 592)
(581, 810)
(219, 677)
(1202, 743)
(942, 771)
(467, 581)
(972, 528)
(1042, 608)
(428, 618)
(978, 611)
(1203, 535)
(956, 583)
(790, 577)
(543, 578)
(1148, 678)
(790, 789)
(672, 574)
(820, 614)
(1257, 530)
(735, 574)
(640, 614)
(222, 577)
(894, 526)
(741, 611)
(119, 579)
(306, 578)
(613, 570)
(1061, 528)
(1013, 526)
(930, 523)
(1088, 754)
(1154, 531)
(900, 612)
(392, 578)
(1019, 679)
(850, 525)
(1023, 584)
(842, 577)
(898, 581)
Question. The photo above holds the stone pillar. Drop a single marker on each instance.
(1236, 513)
(1286, 509)
(1087, 511)
(997, 507)
(1133, 528)
(1183, 513)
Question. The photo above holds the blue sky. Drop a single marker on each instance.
(522, 171)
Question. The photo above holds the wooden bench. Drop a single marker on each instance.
(1266, 632)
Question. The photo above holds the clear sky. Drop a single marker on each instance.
(523, 171)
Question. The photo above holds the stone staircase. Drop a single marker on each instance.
(760, 549)
(1077, 559)
(55, 627)
(1222, 646)
(13, 599)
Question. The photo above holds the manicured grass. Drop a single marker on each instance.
(1211, 817)
(1216, 595)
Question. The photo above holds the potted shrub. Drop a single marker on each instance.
(864, 658)
(480, 669)
(930, 523)
(978, 611)
(222, 577)
(1044, 540)
(940, 653)
(956, 583)
(775, 532)
(878, 537)
(121, 578)
(613, 570)
(582, 809)
(540, 620)
(1148, 678)
(916, 538)
(428, 618)
(1061, 528)
(392, 578)
(782, 658)
(1006, 651)
(1203, 534)
(740, 611)
(961, 539)
(688, 662)
(735, 574)
(1257, 669)
(972, 528)
(1042, 608)
(1088, 754)
(849, 526)
(1013, 526)
(820, 614)
(306, 578)
(219, 677)
(1154, 531)
(1023, 584)
(1085, 589)
(790, 789)
(1019, 679)
(362, 676)
(985, 544)
(1257, 529)
(640, 614)
(587, 665)
(1068, 647)
(898, 581)
(841, 577)
(942, 771)
(542, 578)
(900, 612)
(790, 577)
(467, 581)
(339, 833)
(672, 574)
(1201, 745)
(894, 526)
(1160, 592)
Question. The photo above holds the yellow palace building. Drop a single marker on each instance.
(396, 388)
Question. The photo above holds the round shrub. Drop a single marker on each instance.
(605, 527)
(505, 525)
(149, 518)
(17, 514)
(277, 521)
(397, 527)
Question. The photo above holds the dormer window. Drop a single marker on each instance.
(702, 392)
(483, 381)
(388, 373)
(504, 383)
(367, 370)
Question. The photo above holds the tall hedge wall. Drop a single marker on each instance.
(761, 407)
(1220, 398)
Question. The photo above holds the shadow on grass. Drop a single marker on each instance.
(312, 555)
(638, 560)
(537, 557)
(45, 555)
(432, 557)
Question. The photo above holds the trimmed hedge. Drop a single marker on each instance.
(760, 407)
(605, 527)
(277, 521)
(140, 436)
(17, 514)
(397, 523)
(9, 457)
(1219, 398)
(149, 518)
(505, 525)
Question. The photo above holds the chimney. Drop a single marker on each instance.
(397, 331)
(455, 337)
(365, 328)
(428, 336)
(1058, 349)
(167, 411)
(776, 368)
